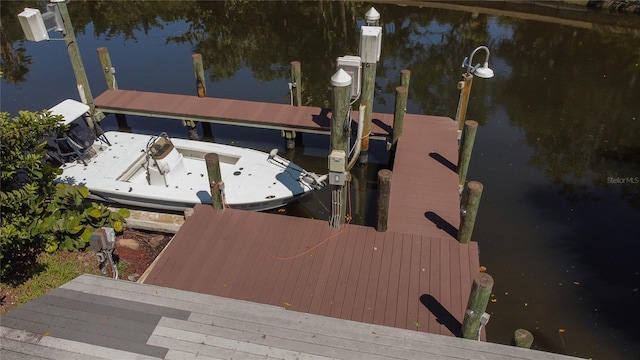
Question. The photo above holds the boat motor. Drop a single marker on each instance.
(312, 180)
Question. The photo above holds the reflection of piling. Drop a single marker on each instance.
(466, 146)
(522, 338)
(215, 180)
(475, 316)
(109, 73)
(201, 90)
(384, 190)
(398, 115)
(469, 210)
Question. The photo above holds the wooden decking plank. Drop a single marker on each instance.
(406, 268)
(13, 348)
(214, 253)
(347, 259)
(334, 271)
(393, 294)
(293, 288)
(380, 309)
(368, 313)
(329, 263)
(424, 315)
(413, 286)
(455, 276)
(79, 332)
(433, 305)
(363, 276)
(446, 318)
(280, 272)
(351, 285)
(184, 350)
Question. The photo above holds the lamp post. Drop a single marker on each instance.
(481, 71)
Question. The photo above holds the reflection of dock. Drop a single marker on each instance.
(233, 283)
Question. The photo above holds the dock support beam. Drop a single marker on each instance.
(474, 317)
(469, 210)
(109, 73)
(466, 146)
(340, 127)
(465, 89)
(384, 190)
(215, 180)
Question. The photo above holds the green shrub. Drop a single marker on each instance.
(36, 213)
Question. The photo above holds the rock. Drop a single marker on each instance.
(133, 277)
(128, 243)
(156, 240)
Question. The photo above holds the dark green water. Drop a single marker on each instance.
(557, 148)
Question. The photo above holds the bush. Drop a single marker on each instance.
(36, 213)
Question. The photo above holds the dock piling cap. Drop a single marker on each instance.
(341, 78)
(70, 110)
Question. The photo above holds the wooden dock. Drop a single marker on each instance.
(98, 318)
(237, 284)
(227, 111)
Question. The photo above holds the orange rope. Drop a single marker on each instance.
(317, 245)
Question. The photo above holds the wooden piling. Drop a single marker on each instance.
(215, 180)
(398, 115)
(465, 89)
(340, 127)
(296, 83)
(108, 69)
(384, 190)
(198, 70)
(109, 73)
(477, 305)
(522, 338)
(405, 77)
(469, 210)
(466, 147)
(366, 97)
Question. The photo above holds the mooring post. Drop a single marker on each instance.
(474, 316)
(366, 96)
(340, 127)
(215, 180)
(405, 77)
(465, 89)
(295, 89)
(398, 115)
(384, 189)
(82, 82)
(109, 73)
(469, 210)
(522, 338)
(466, 147)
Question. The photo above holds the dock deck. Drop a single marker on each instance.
(98, 318)
(412, 281)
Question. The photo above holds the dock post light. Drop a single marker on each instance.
(481, 71)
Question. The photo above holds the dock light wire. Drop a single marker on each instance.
(310, 249)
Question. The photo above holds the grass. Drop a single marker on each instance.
(57, 268)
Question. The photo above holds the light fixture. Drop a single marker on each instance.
(480, 71)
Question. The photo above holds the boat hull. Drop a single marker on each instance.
(118, 173)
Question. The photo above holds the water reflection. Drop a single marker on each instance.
(557, 149)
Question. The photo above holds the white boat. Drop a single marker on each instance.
(170, 174)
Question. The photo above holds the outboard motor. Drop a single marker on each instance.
(73, 144)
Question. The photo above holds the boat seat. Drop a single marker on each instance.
(161, 148)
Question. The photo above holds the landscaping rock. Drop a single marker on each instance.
(128, 243)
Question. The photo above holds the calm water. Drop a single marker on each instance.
(557, 149)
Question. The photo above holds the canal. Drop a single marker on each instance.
(557, 149)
